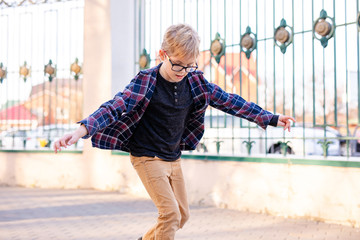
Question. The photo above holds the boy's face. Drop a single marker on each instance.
(175, 62)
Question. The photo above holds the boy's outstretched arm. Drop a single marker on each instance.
(284, 122)
(71, 138)
(235, 105)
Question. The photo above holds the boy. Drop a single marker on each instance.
(160, 113)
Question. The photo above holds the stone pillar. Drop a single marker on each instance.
(97, 54)
(123, 43)
(109, 29)
(97, 79)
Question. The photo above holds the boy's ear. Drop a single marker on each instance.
(162, 54)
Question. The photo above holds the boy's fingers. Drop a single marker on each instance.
(290, 118)
(71, 141)
(285, 122)
(56, 149)
(286, 118)
(287, 126)
(56, 146)
(62, 142)
(65, 141)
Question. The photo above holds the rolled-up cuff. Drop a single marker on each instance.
(274, 121)
(263, 119)
(91, 125)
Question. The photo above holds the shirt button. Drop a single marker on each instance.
(175, 93)
(175, 87)
(176, 100)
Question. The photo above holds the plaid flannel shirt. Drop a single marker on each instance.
(112, 125)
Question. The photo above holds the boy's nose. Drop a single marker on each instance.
(182, 71)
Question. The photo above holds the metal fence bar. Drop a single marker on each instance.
(265, 75)
(211, 78)
(335, 77)
(225, 57)
(293, 61)
(257, 55)
(241, 65)
(274, 89)
(313, 63)
(358, 67)
(303, 77)
(346, 85)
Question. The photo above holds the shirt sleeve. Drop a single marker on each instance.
(274, 120)
(109, 112)
(235, 105)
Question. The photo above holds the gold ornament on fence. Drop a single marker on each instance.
(76, 69)
(323, 27)
(217, 47)
(282, 35)
(50, 70)
(144, 60)
(247, 41)
(2, 73)
(24, 71)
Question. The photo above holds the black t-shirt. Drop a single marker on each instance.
(161, 128)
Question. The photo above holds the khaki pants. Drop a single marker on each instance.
(165, 184)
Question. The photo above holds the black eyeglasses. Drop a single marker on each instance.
(179, 68)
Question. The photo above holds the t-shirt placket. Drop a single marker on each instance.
(176, 96)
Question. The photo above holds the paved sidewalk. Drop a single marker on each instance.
(94, 215)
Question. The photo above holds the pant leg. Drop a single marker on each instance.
(178, 185)
(154, 174)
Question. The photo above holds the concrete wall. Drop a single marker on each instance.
(314, 192)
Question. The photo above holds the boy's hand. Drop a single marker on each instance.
(66, 140)
(70, 139)
(284, 121)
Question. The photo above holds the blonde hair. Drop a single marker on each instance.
(181, 40)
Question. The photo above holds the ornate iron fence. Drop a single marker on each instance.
(41, 50)
(299, 58)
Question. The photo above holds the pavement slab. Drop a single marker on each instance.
(43, 214)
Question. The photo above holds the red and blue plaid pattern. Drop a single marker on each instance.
(112, 125)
